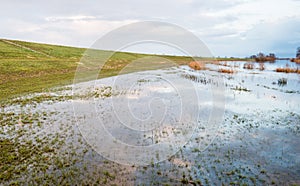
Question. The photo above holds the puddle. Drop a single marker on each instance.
(177, 126)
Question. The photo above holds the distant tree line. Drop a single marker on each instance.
(261, 57)
(298, 53)
(297, 59)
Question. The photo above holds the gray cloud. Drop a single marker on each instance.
(281, 37)
(237, 27)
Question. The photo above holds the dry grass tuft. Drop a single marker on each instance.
(197, 65)
(261, 66)
(288, 70)
(227, 71)
(248, 66)
(296, 60)
(225, 64)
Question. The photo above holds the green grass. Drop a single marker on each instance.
(27, 67)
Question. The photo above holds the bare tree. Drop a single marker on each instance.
(298, 53)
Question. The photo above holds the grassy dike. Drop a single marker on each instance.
(27, 67)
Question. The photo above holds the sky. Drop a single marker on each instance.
(231, 28)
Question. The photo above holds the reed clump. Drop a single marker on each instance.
(227, 71)
(261, 66)
(197, 65)
(249, 66)
(296, 60)
(288, 70)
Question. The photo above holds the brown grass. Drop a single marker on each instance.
(288, 70)
(223, 64)
(248, 66)
(197, 65)
(296, 60)
(261, 66)
(227, 71)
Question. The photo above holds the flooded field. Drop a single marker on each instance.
(173, 126)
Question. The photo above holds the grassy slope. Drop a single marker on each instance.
(23, 70)
(36, 67)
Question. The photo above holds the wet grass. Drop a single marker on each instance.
(282, 81)
(239, 88)
(32, 153)
(43, 147)
(63, 158)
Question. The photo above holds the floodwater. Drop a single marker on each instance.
(171, 126)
